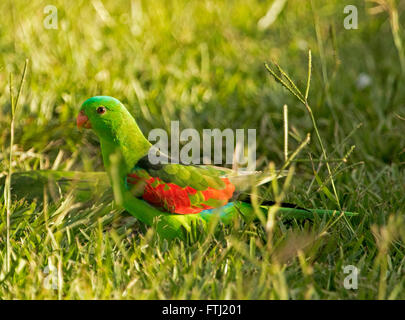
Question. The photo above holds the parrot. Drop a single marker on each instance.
(172, 196)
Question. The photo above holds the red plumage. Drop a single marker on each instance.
(176, 199)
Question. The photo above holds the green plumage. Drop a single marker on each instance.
(183, 176)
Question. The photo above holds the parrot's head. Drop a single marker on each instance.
(105, 115)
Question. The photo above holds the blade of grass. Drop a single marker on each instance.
(285, 112)
(309, 75)
(14, 105)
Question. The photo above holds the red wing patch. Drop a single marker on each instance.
(176, 199)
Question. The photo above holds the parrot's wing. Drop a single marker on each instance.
(179, 188)
(184, 189)
(203, 176)
(246, 179)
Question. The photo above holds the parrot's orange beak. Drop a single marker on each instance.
(83, 121)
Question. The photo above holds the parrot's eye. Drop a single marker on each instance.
(101, 110)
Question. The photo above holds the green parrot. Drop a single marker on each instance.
(175, 196)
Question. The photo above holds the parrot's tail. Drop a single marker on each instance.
(285, 210)
(294, 211)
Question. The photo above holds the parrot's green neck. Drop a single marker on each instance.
(125, 149)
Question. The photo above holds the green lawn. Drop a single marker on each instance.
(202, 62)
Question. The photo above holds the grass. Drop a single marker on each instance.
(202, 62)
